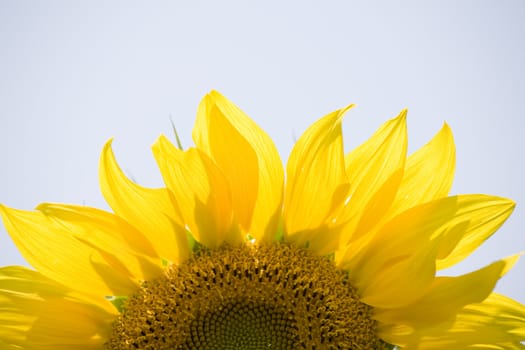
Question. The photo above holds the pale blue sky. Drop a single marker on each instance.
(73, 74)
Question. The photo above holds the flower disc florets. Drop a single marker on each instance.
(248, 297)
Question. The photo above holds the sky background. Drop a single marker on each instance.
(73, 74)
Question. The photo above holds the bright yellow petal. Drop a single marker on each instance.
(316, 181)
(151, 211)
(412, 239)
(429, 173)
(248, 158)
(374, 170)
(397, 266)
(201, 191)
(477, 218)
(36, 313)
(448, 295)
(65, 242)
(393, 279)
(496, 323)
(116, 241)
(6, 346)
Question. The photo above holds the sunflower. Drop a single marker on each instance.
(344, 254)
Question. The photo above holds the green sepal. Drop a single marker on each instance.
(179, 144)
(279, 234)
(194, 245)
(118, 301)
(165, 262)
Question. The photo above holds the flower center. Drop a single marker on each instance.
(262, 296)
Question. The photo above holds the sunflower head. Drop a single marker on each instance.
(343, 252)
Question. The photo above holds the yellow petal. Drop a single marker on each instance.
(151, 211)
(37, 313)
(396, 267)
(65, 242)
(316, 181)
(398, 278)
(477, 218)
(429, 173)
(374, 170)
(447, 295)
(412, 239)
(111, 236)
(201, 192)
(6, 346)
(248, 158)
(496, 323)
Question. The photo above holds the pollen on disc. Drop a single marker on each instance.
(263, 296)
